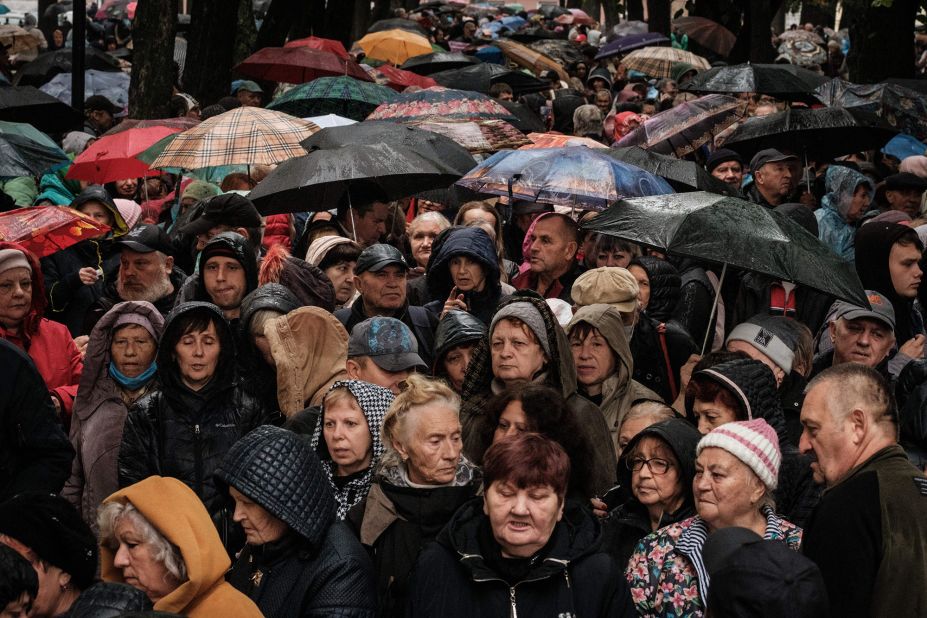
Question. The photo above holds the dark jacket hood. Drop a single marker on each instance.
(682, 438)
(873, 246)
(454, 329)
(169, 372)
(97, 193)
(232, 245)
(472, 242)
(271, 296)
(310, 286)
(665, 287)
(563, 108)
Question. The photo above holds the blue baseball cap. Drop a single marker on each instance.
(388, 342)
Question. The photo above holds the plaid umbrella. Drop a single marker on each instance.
(524, 56)
(441, 103)
(244, 136)
(114, 156)
(658, 61)
(394, 46)
(344, 96)
(314, 42)
(297, 65)
(480, 136)
(44, 230)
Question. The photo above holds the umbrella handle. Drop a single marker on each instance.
(714, 309)
(351, 214)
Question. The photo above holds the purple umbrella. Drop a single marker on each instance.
(630, 42)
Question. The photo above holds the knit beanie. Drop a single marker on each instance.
(752, 442)
(322, 245)
(130, 210)
(527, 313)
(770, 338)
(136, 319)
(608, 285)
(13, 258)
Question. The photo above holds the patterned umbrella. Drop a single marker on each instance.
(397, 79)
(314, 42)
(684, 128)
(297, 65)
(625, 44)
(707, 33)
(394, 46)
(659, 61)
(245, 136)
(44, 230)
(344, 96)
(114, 156)
(524, 56)
(561, 50)
(559, 140)
(576, 176)
(442, 103)
(480, 136)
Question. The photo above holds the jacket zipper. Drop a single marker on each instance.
(514, 613)
(198, 460)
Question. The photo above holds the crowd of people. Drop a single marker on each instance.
(432, 408)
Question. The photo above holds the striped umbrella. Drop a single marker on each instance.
(659, 61)
(344, 96)
(242, 136)
(441, 103)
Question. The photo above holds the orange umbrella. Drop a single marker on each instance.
(524, 56)
(394, 46)
(559, 140)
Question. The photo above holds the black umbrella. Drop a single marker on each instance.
(43, 111)
(49, 64)
(481, 77)
(819, 133)
(526, 120)
(682, 174)
(918, 85)
(362, 173)
(397, 23)
(783, 81)
(20, 156)
(426, 64)
(529, 35)
(558, 49)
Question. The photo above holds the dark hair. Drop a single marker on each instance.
(191, 322)
(628, 106)
(527, 461)
(339, 254)
(496, 89)
(18, 577)
(909, 238)
(607, 242)
(569, 225)
(703, 388)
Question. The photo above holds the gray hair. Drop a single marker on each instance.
(163, 551)
(430, 217)
(587, 119)
(655, 411)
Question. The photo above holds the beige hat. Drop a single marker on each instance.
(609, 285)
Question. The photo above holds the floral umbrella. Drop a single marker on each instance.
(442, 103)
(44, 230)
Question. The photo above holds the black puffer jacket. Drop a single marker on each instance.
(177, 432)
(665, 287)
(696, 297)
(797, 493)
(318, 568)
(107, 599)
(262, 382)
(570, 577)
(911, 395)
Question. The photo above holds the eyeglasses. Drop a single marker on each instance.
(656, 465)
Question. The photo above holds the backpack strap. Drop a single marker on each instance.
(670, 376)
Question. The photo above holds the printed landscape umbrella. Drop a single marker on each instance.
(113, 86)
(684, 128)
(21, 156)
(44, 230)
(314, 42)
(559, 140)
(576, 176)
(47, 65)
(113, 157)
(561, 50)
(426, 64)
(625, 44)
(707, 33)
(397, 79)
(682, 174)
(394, 46)
(297, 65)
(479, 136)
(482, 77)
(659, 61)
(43, 111)
(524, 56)
(438, 102)
(902, 108)
(344, 96)
(783, 81)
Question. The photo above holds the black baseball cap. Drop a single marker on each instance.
(146, 238)
(769, 155)
(377, 257)
(100, 103)
(227, 209)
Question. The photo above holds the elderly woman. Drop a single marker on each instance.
(422, 232)
(184, 427)
(849, 196)
(422, 479)
(299, 560)
(526, 344)
(119, 369)
(521, 550)
(457, 334)
(173, 555)
(22, 323)
(736, 471)
(336, 256)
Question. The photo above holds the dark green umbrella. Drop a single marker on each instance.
(734, 232)
(682, 174)
(21, 156)
(344, 96)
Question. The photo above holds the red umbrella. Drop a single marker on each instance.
(329, 45)
(181, 123)
(112, 157)
(43, 230)
(576, 16)
(297, 65)
(399, 80)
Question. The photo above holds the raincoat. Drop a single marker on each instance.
(833, 228)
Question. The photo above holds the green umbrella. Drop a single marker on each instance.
(345, 96)
(28, 131)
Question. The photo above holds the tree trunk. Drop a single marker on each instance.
(338, 20)
(659, 18)
(280, 18)
(246, 33)
(754, 43)
(360, 19)
(635, 10)
(46, 24)
(152, 69)
(209, 53)
(875, 36)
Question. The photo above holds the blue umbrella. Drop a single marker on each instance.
(514, 22)
(575, 176)
(903, 145)
(624, 44)
(490, 53)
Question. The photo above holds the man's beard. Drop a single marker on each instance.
(155, 292)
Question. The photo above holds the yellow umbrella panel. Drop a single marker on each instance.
(394, 46)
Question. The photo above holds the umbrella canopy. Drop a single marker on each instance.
(314, 42)
(625, 44)
(181, 123)
(17, 40)
(427, 64)
(731, 231)
(576, 176)
(330, 120)
(114, 9)
(44, 230)
(526, 120)
(707, 33)
(442, 103)
(802, 53)
(801, 35)
(633, 26)
(399, 80)
(344, 96)
(246, 136)
(480, 136)
(113, 86)
(49, 64)
(575, 16)
(560, 50)
(297, 65)
(783, 81)
(397, 24)
(113, 157)
(903, 146)
(43, 111)
(821, 133)
(684, 128)
(360, 173)
(530, 35)
(682, 174)
(902, 108)
(524, 56)
(394, 46)
(481, 77)
(559, 140)
(28, 131)
(20, 156)
(659, 61)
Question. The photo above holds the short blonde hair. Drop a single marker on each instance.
(419, 392)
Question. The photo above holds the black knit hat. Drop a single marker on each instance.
(52, 528)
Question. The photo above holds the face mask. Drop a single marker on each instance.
(135, 383)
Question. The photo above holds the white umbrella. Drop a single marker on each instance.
(331, 120)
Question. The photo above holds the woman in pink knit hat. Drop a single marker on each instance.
(736, 471)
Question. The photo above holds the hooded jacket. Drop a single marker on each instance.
(69, 300)
(48, 344)
(834, 229)
(570, 576)
(665, 287)
(310, 286)
(563, 107)
(754, 388)
(175, 431)
(560, 373)
(229, 244)
(111, 297)
(310, 348)
(100, 414)
(619, 391)
(186, 525)
(455, 328)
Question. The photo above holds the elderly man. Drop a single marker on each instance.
(383, 351)
(868, 535)
(552, 247)
(773, 178)
(902, 192)
(727, 166)
(859, 335)
(248, 93)
(363, 223)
